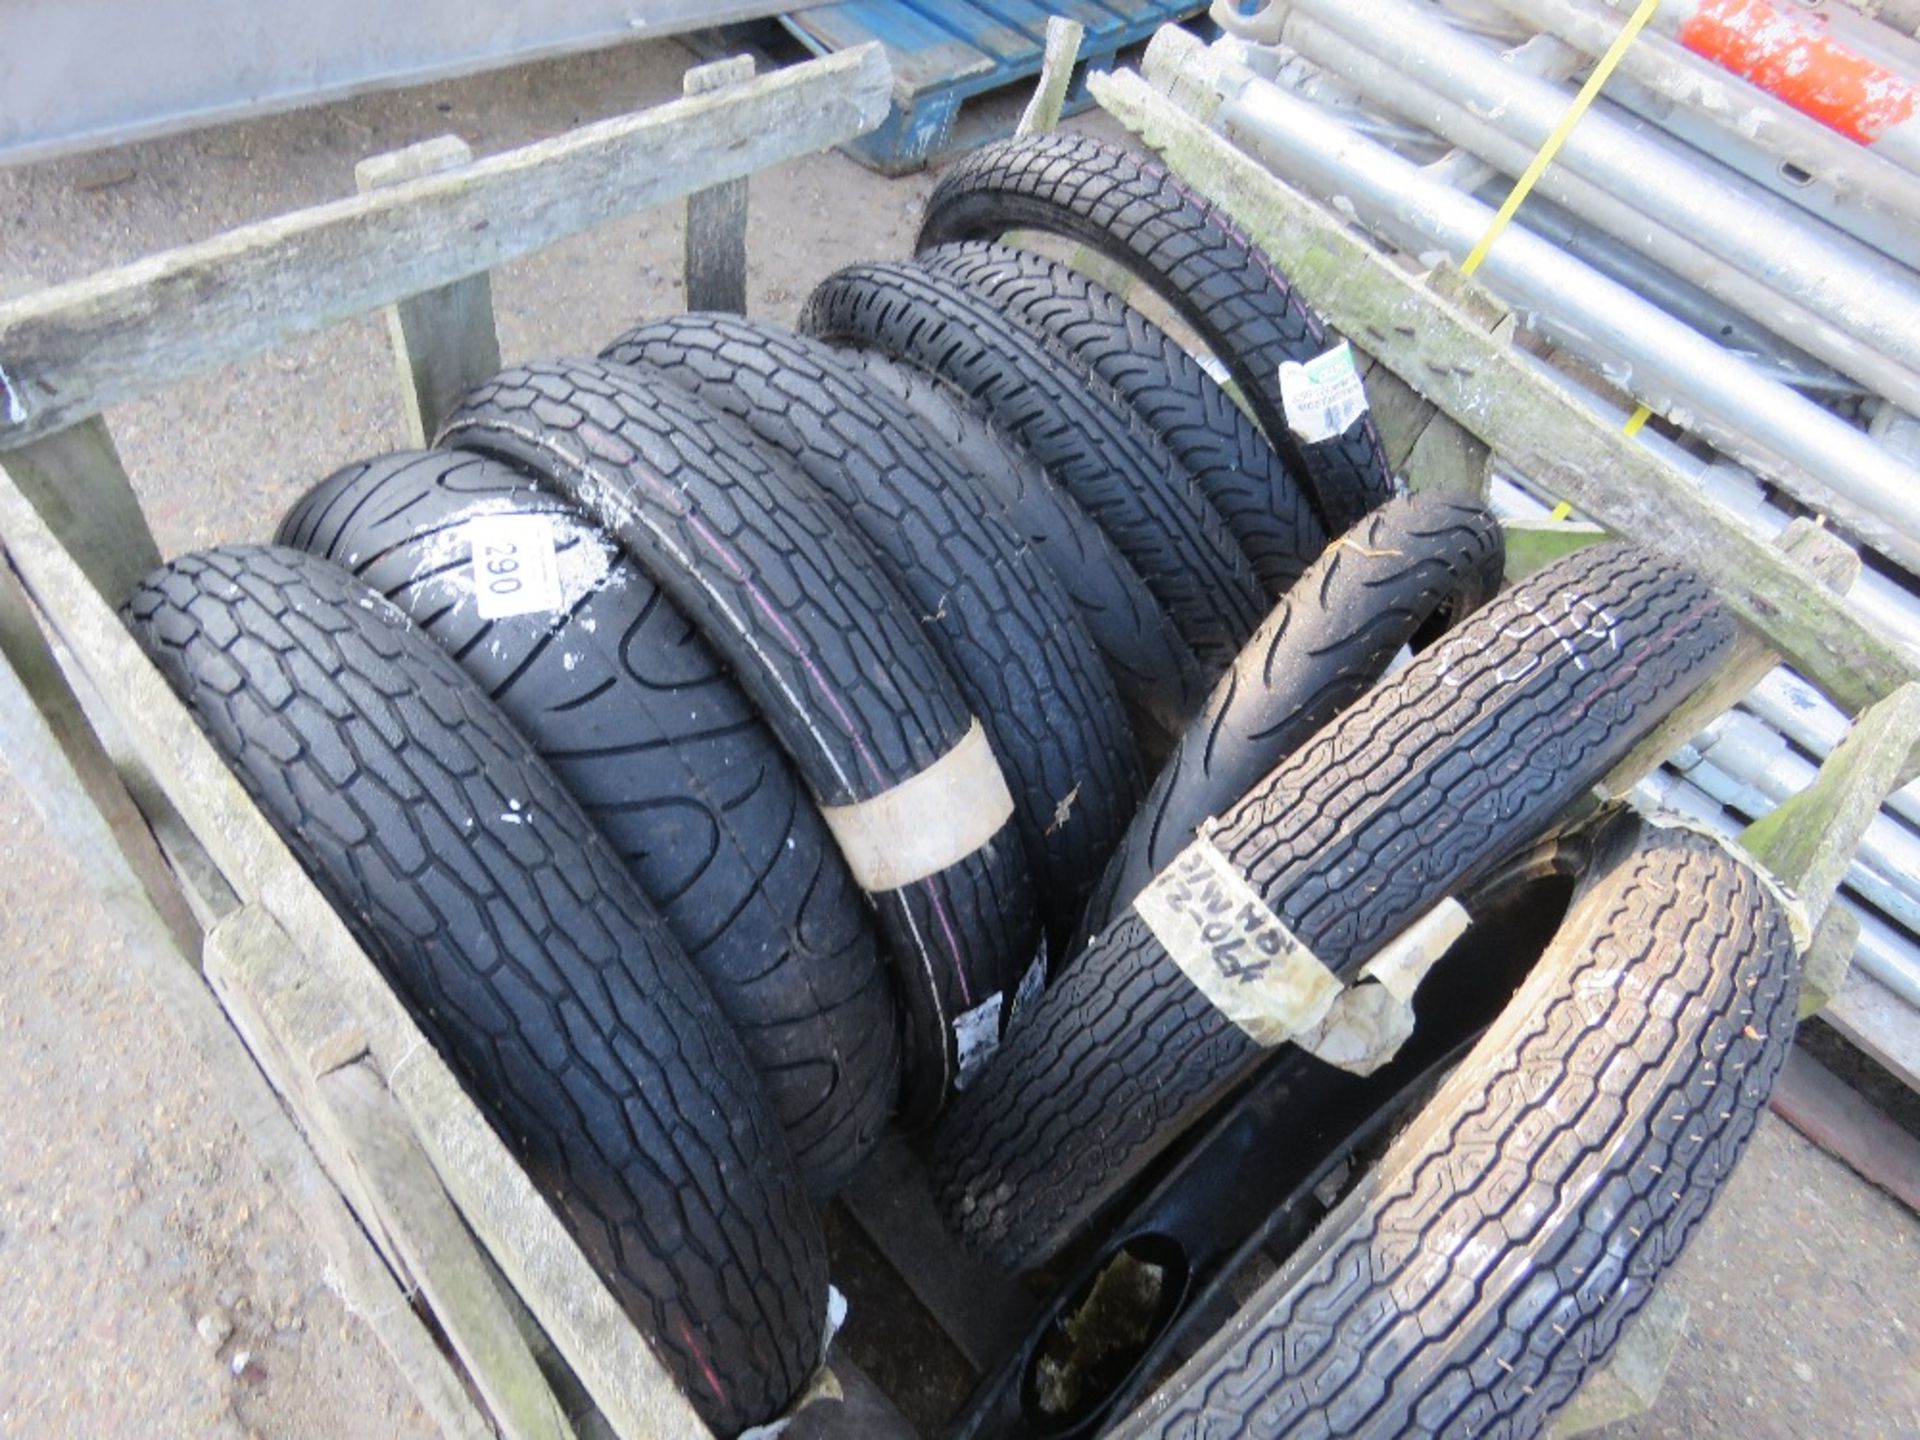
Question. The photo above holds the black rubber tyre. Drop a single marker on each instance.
(823, 643)
(1207, 434)
(1190, 253)
(1487, 1264)
(667, 757)
(995, 615)
(1091, 443)
(529, 958)
(1159, 680)
(1400, 577)
(1406, 798)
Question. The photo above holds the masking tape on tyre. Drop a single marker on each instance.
(1369, 1022)
(930, 821)
(1236, 951)
(1261, 976)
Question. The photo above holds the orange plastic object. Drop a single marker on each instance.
(1801, 65)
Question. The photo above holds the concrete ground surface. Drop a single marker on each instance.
(152, 1281)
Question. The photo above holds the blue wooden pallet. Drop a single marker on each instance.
(946, 52)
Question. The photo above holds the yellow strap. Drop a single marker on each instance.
(1634, 421)
(1544, 157)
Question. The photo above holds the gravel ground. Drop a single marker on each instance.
(154, 1282)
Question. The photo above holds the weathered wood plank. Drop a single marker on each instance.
(1400, 412)
(1880, 1024)
(70, 351)
(1528, 420)
(599, 1342)
(1630, 1381)
(294, 1030)
(315, 1053)
(69, 787)
(293, 1033)
(46, 738)
(1809, 841)
(1829, 959)
(444, 340)
(1846, 1125)
(443, 1258)
(1450, 460)
(1042, 114)
(1833, 563)
(559, 1285)
(1429, 448)
(78, 482)
(716, 233)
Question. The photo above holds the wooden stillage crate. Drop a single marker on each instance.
(363, 1127)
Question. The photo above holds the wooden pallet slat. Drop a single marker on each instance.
(1062, 51)
(317, 1053)
(76, 479)
(70, 351)
(1808, 842)
(922, 55)
(980, 26)
(1833, 564)
(445, 340)
(715, 249)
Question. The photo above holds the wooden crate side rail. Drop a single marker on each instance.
(69, 351)
(1810, 839)
(560, 1287)
(1477, 378)
(1833, 564)
(77, 480)
(74, 788)
(314, 1052)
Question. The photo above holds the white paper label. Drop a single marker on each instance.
(1032, 985)
(514, 571)
(836, 1317)
(976, 1035)
(1236, 951)
(1324, 396)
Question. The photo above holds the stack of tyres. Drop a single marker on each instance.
(1309, 831)
(746, 739)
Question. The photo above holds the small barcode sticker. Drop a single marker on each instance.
(976, 1035)
(514, 571)
(1324, 396)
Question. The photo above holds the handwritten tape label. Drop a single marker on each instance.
(1236, 951)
